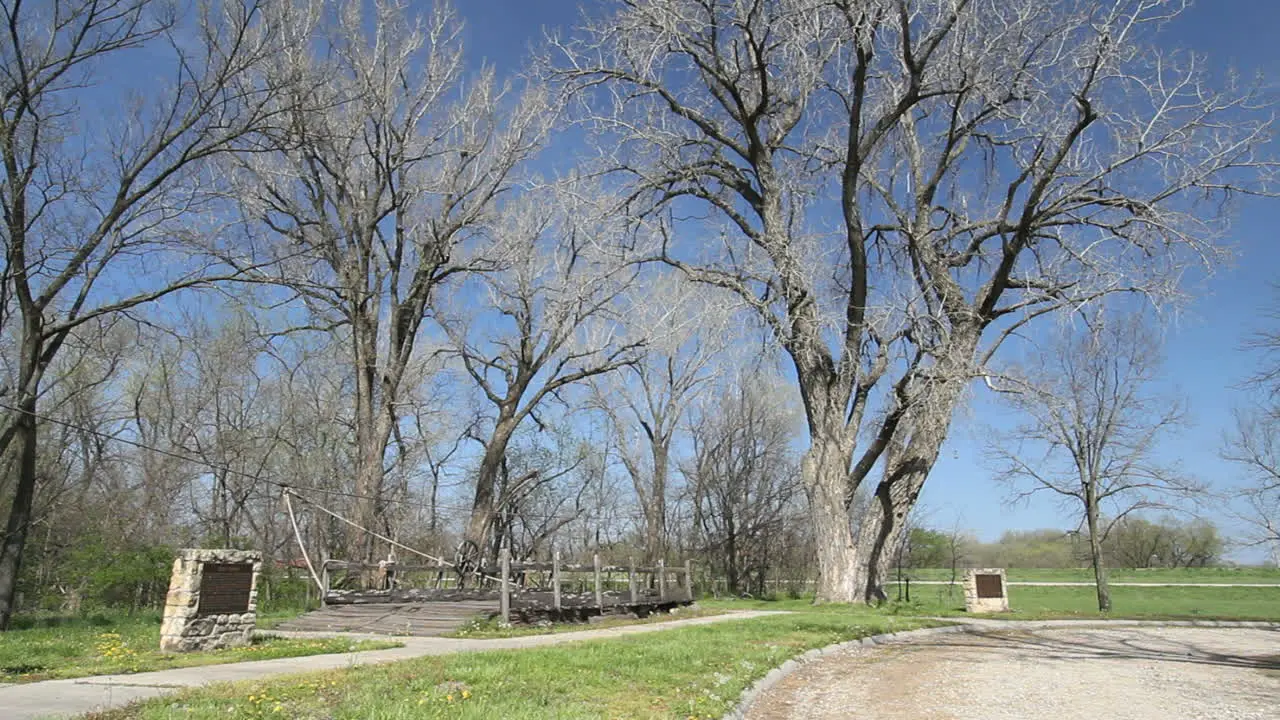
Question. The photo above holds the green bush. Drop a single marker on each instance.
(283, 591)
(95, 576)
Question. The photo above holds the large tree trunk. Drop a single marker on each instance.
(1095, 553)
(484, 504)
(369, 476)
(375, 420)
(731, 554)
(19, 522)
(369, 452)
(23, 442)
(825, 473)
(923, 432)
(655, 541)
(884, 527)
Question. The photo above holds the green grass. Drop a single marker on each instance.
(1039, 603)
(1228, 603)
(45, 648)
(680, 673)
(493, 628)
(1170, 575)
(684, 672)
(270, 619)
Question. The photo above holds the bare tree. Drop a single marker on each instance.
(1254, 443)
(1091, 430)
(1254, 446)
(547, 320)
(316, 423)
(645, 406)
(989, 162)
(439, 459)
(231, 412)
(743, 481)
(212, 412)
(71, 500)
(554, 493)
(85, 196)
(377, 190)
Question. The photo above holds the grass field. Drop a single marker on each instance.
(1228, 603)
(1157, 575)
(44, 648)
(690, 672)
(696, 672)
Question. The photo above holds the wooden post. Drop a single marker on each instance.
(599, 590)
(631, 579)
(505, 601)
(662, 581)
(555, 579)
(324, 582)
(688, 578)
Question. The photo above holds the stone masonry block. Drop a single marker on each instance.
(986, 590)
(229, 592)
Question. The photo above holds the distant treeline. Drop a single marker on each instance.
(1134, 542)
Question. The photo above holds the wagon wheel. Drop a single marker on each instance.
(466, 560)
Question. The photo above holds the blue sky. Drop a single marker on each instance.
(1204, 361)
(1203, 357)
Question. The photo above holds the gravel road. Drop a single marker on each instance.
(1118, 673)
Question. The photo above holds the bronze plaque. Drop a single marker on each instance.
(224, 588)
(989, 586)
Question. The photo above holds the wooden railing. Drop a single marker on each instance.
(674, 584)
(598, 571)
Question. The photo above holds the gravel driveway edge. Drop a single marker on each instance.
(774, 676)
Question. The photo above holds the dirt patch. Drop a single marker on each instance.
(1127, 673)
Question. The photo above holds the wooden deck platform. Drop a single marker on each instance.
(439, 612)
(557, 593)
(386, 618)
(520, 598)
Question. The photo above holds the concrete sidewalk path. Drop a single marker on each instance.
(63, 698)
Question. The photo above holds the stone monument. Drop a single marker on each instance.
(985, 591)
(212, 601)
